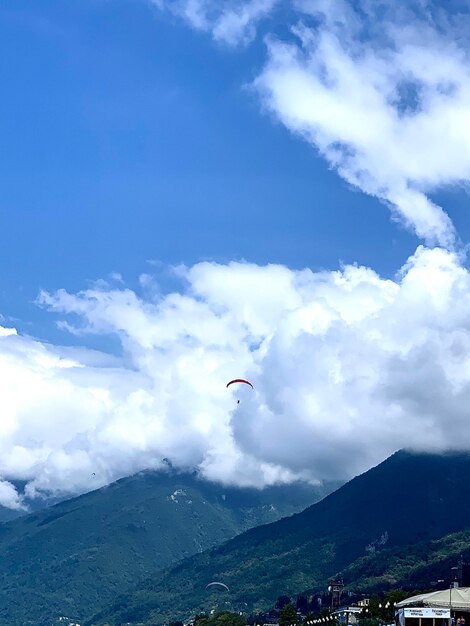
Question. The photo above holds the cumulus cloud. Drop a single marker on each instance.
(383, 93)
(347, 368)
(230, 21)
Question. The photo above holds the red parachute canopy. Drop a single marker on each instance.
(240, 380)
(217, 584)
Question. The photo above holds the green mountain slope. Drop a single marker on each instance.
(420, 565)
(407, 499)
(75, 556)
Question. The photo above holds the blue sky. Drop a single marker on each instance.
(127, 137)
(193, 191)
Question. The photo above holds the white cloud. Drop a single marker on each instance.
(347, 368)
(380, 88)
(384, 95)
(230, 21)
(5, 332)
(9, 497)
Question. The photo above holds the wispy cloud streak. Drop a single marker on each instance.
(383, 93)
(380, 89)
(230, 22)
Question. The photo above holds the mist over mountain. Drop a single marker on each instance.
(28, 504)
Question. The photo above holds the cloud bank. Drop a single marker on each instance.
(347, 368)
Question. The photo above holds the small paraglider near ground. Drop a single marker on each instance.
(217, 584)
(217, 588)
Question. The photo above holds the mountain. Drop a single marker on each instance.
(73, 557)
(407, 499)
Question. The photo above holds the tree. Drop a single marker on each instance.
(288, 615)
(227, 619)
(201, 620)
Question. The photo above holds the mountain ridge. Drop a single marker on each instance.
(80, 553)
(404, 500)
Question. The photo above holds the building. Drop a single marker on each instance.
(438, 608)
(348, 615)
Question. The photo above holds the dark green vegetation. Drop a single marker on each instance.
(73, 557)
(224, 618)
(408, 499)
(288, 615)
(409, 567)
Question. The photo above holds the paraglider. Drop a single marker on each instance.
(214, 584)
(239, 380)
